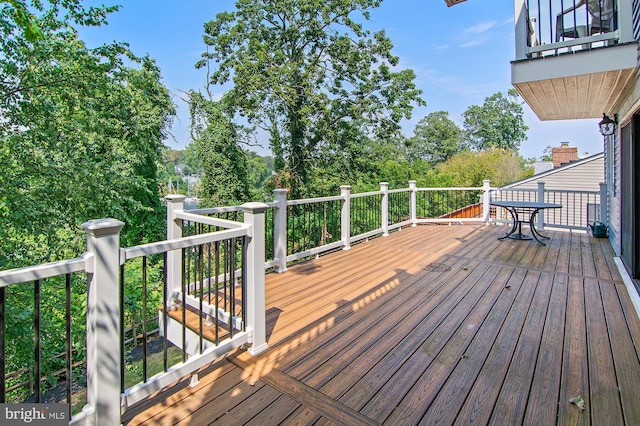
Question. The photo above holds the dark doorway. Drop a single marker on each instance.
(629, 187)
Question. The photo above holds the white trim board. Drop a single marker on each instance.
(628, 283)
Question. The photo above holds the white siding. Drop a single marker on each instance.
(613, 179)
(567, 185)
(582, 177)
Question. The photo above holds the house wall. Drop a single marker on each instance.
(583, 177)
(629, 104)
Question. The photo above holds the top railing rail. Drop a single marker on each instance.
(42, 272)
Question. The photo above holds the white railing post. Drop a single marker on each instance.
(540, 218)
(604, 201)
(625, 21)
(412, 202)
(280, 229)
(256, 309)
(384, 205)
(345, 217)
(522, 29)
(486, 200)
(175, 203)
(103, 322)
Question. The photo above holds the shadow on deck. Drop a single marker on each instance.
(432, 325)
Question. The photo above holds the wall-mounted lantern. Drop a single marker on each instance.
(607, 125)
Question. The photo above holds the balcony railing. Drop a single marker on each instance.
(158, 312)
(552, 27)
(580, 209)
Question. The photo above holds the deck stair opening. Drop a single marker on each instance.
(214, 320)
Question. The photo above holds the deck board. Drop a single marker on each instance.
(604, 402)
(513, 389)
(575, 378)
(542, 404)
(624, 355)
(431, 325)
(479, 403)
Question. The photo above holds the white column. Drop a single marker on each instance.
(522, 29)
(345, 217)
(103, 321)
(540, 218)
(604, 201)
(384, 205)
(280, 229)
(625, 21)
(486, 200)
(412, 202)
(175, 203)
(256, 305)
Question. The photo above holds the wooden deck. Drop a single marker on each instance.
(432, 325)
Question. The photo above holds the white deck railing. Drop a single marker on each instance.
(272, 235)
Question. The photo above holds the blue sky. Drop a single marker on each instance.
(460, 56)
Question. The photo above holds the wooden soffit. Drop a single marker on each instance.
(453, 2)
(576, 86)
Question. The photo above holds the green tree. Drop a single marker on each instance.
(81, 131)
(436, 138)
(260, 170)
(225, 178)
(498, 123)
(80, 138)
(308, 74)
(547, 154)
(470, 168)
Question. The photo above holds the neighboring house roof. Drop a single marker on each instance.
(452, 2)
(583, 174)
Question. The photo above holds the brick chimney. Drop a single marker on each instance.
(564, 154)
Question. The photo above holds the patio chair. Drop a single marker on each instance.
(598, 19)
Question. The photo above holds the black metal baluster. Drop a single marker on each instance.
(209, 274)
(122, 339)
(225, 276)
(144, 320)
(232, 282)
(217, 280)
(165, 318)
(67, 320)
(3, 337)
(201, 282)
(293, 216)
(36, 327)
(183, 284)
(308, 231)
(244, 283)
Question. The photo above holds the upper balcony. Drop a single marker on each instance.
(574, 58)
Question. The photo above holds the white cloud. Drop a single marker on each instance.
(480, 28)
(475, 42)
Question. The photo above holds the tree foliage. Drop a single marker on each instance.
(310, 75)
(470, 168)
(81, 135)
(436, 138)
(23, 19)
(224, 164)
(498, 123)
(81, 132)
